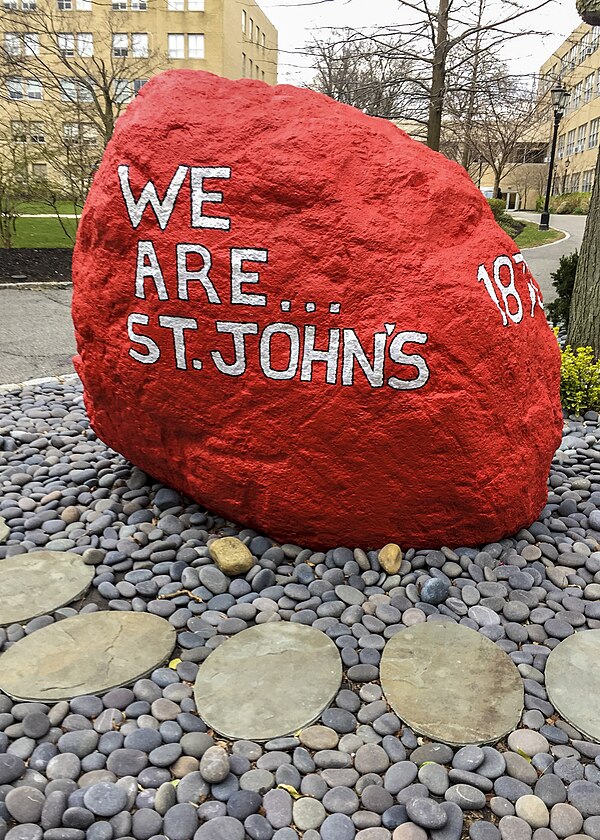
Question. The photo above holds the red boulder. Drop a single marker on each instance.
(310, 323)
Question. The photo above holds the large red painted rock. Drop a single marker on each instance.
(311, 323)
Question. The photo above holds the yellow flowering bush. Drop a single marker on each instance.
(579, 380)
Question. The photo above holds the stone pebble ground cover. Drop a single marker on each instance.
(139, 763)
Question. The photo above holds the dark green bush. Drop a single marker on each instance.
(562, 280)
(509, 224)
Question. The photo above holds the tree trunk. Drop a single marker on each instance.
(468, 123)
(438, 78)
(584, 317)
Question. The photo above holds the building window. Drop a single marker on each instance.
(577, 94)
(139, 45)
(68, 91)
(244, 21)
(250, 29)
(74, 91)
(175, 5)
(598, 84)
(66, 43)
(581, 135)
(595, 37)
(36, 132)
(560, 148)
(584, 49)
(195, 46)
(122, 90)
(119, 5)
(138, 84)
(31, 42)
(64, 5)
(84, 5)
(257, 34)
(589, 87)
(70, 131)
(10, 5)
(570, 142)
(34, 89)
(176, 46)
(263, 75)
(264, 42)
(120, 45)
(85, 44)
(14, 88)
(594, 133)
(18, 131)
(21, 43)
(195, 5)
(139, 6)
(12, 44)
(587, 181)
(39, 170)
(575, 182)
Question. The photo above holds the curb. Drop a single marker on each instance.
(17, 386)
(37, 284)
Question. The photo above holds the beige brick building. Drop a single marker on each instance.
(577, 64)
(69, 67)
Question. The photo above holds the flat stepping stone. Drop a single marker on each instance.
(451, 684)
(40, 582)
(4, 530)
(86, 654)
(573, 681)
(268, 681)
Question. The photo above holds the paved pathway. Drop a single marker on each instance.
(543, 261)
(36, 338)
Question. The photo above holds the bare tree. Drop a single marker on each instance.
(505, 133)
(368, 73)
(436, 42)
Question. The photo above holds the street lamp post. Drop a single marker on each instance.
(560, 96)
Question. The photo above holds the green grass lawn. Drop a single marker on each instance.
(43, 233)
(66, 207)
(531, 237)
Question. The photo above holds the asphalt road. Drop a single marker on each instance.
(36, 334)
(543, 261)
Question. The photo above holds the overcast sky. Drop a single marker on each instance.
(298, 20)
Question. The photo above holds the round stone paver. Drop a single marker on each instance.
(268, 681)
(86, 654)
(573, 681)
(4, 530)
(40, 582)
(451, 684)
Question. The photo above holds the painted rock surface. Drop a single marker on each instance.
(310, 323)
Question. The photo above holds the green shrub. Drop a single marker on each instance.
(579, 380)
(562, 280)
(577, 204)
(497, 206)
(508, 224)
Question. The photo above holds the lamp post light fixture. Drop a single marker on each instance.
(560, 95)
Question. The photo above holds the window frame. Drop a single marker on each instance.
(174, 53)
(123, 50)
(195, 35)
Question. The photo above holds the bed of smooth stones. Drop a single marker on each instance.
(138, 762)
